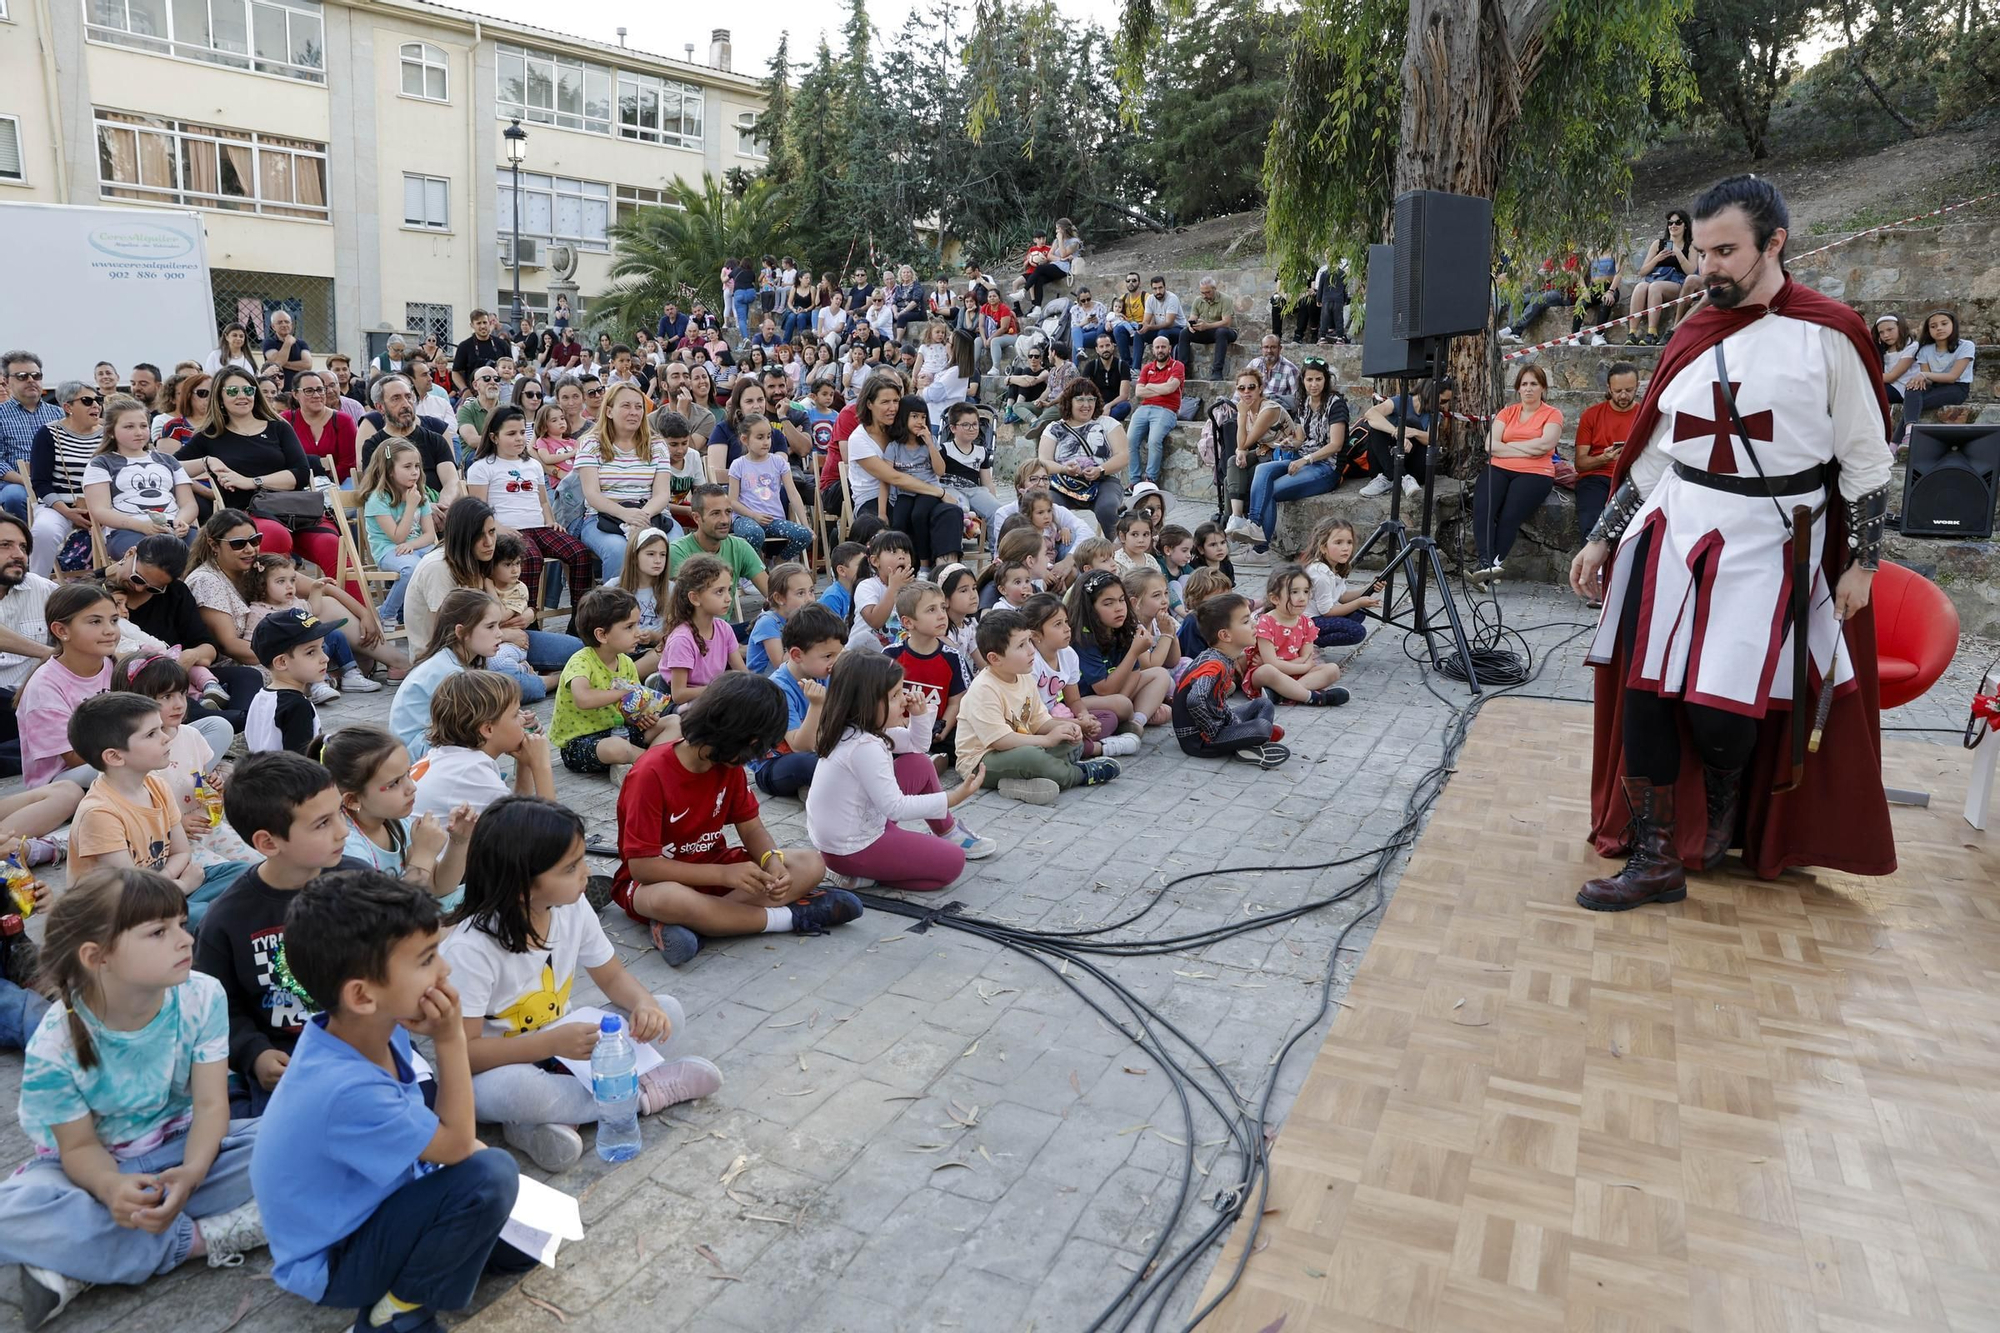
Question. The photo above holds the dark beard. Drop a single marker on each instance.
(1726, 296)
(11, 576)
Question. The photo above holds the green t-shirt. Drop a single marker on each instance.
(743, 559)
(570, 721)
(472, 414)
(1208, 309)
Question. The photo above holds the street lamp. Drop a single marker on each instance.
(517, 152)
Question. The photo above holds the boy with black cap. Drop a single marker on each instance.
(292, 647)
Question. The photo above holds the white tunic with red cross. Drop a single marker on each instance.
(1714, 586)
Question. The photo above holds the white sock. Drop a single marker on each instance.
(1138, 720)
(777, 920)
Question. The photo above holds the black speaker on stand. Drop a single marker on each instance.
(1951, 481)
(1444, 265)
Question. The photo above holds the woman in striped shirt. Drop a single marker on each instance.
(57, 456)
(623, 471)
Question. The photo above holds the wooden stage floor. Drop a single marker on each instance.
(1775, 1106)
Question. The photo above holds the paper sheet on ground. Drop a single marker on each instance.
(645, 1057)
(543, 1218)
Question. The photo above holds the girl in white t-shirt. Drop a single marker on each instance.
(1056, 673)
(513, 482)
(476, 718)
(514, 952)
(371, 768)
(1943, 373)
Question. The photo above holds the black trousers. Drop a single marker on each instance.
(1501, 502)
(1379, 446)
(1593, 491)
(1651, 732)
(935, 527)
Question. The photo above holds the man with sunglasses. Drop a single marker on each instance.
(480, 404)
(22, 413)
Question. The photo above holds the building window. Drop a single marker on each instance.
(555, 208)
(545, 89)
(747, 142)
(426, 202)
(268, 36)
(425, 74)
(428, 319)
(656, 110)
(632, 198)
(156, 161)
(10, 147)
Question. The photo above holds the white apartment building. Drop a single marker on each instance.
(347, 156)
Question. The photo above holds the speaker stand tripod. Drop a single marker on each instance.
(1420, 554)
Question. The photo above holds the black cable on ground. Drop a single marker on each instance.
(1245, 1128)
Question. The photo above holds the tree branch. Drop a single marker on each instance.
(1854, 59)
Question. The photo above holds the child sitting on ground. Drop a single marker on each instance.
(1146, 592)
(892, 560)
(276, 581)
(517, 613)
(812, 639)
(1093, 555)
(645, 577)
(1056, 672)
(791, 588)
(1337, 613)
(286, 807)
(375, 1202)
(677, 872)
(1003, 725)
(83, 624)
(874, 772)
(1124, 666)
(1211, 550)
(961, 606)
(377, 795)
(927, 665)
(292, 647)
(1283, 659)
(1205, 722)
(604, 719)
(129, 819)
(464, 637)
(1201, 585)
(516, 948)
(476, 717)
(1174, 549)
(124, 1094)
(1134, 532)
(700, 645)
(847, 561)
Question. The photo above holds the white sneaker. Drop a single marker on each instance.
(46, 1294)
(1509, 336)
(356, 681)
(229, 1234)
(1411, 485)
(853, 882)
(1377, 485)
(976, 847)
(551, 1147)
(618, 774)
(1597, 340)
(1237, 526)
(1120, 744)
(323, 693)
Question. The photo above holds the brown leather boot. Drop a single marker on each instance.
(1725, 786)
(1653, 874)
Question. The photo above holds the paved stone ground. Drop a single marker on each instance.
(932, 1132)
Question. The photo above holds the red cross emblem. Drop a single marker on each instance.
(1721, 457)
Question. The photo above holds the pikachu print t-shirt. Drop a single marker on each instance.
(515, 993)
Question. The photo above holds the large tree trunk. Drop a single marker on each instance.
(1464, 65)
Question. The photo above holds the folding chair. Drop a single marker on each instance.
(356, 566)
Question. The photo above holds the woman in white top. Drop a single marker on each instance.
(869, 474)
(954, 381)
(233, 349)
(831, 321)
(1943, 375)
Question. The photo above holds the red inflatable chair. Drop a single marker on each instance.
(1916, 634)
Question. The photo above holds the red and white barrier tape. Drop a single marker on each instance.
(1520, 352)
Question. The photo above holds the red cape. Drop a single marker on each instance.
(1838, 817)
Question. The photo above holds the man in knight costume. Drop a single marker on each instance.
(1746, 522)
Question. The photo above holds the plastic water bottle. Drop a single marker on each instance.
(614, 1078)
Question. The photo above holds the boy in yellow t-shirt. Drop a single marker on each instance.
(590, 728)
(129, 817)
(1029, 754)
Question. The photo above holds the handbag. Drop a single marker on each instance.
(1076, 491)
(297, 510)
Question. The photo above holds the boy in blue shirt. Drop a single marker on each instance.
(373, 1200)
(838, 596)
(812, 638)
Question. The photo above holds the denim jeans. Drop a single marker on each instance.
(48, 1220)
(1272, 485)
(21, 1013)
(14, 499)
(1148, 431)
(786, 774)
(339, 654)
(431, 1240)
(741, 302)
(798, 537)
(401, 566)
(1123, 331)
(551, 652)
(1083, 341)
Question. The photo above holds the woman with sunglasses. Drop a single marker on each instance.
(219, 558)
(1322, 419)
(325, 434)
(159, 602)
(244, 448)
(57, 457)
(1670, 268)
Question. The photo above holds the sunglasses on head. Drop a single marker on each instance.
(1313, 363)
(243, 543)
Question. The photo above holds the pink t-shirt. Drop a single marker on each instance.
(1289, 643)
(703, 665)
(42, 713)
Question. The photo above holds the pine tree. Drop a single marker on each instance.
(1208, 108)
(774, 125)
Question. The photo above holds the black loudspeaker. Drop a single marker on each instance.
(1952, 479)
(1383, 354)
(1444, 265)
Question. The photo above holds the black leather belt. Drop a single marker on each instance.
(1798, 483)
